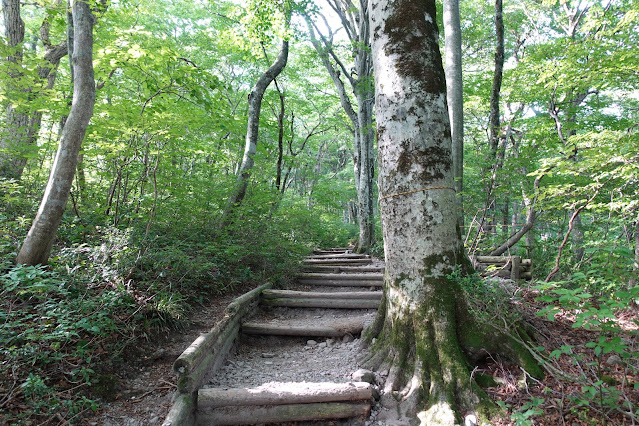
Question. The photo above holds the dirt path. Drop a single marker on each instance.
(307, 336)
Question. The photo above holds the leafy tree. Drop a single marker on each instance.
(355, 23)
(26, 89)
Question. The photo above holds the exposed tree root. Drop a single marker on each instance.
(429, 353)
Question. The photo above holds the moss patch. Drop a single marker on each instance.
(415, 39)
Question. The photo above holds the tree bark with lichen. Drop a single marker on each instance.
(426, 337)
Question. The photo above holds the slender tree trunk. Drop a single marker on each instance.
(365, 94)
(37, 245)
(252, 128)
(280, 144)
(635, 266)
(497, 78)
(578, 249)
(454, 94)
(494, 123)
(424, 326)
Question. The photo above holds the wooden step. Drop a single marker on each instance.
(334, 300)
(350, 280)
(252, 415)
(371, 276)
(284, 393)
(332, 251)
(284, 402)
(343, 269)
(334, 328)
(340, 283)
(340, 256)
(338, 261)
(339, 295)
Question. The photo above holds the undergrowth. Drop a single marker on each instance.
(64, 327)
(596, 371)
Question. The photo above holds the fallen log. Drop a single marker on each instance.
(491, 267)
(492, 259)
(284, 393)
(498, 260)
(342, 295)
(517, 267)
(335, 329)
(249, 415)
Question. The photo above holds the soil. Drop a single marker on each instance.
(146, 382)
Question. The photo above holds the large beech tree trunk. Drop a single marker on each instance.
(37, 245)
(426, 333)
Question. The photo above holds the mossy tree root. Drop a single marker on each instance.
(429, 353)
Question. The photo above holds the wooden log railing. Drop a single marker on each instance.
(205, 355)
(512, 267)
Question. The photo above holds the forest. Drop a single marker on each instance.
(194, 149)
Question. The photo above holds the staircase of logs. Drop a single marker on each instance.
(335, 279)
(331, 279)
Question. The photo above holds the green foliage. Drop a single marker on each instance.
(487, 298)
(64, 326)
(523, 416)
(612, 344)
(51, 322)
